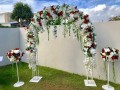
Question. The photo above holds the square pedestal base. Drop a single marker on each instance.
(36, 79)
(90, 83)
(108, 87)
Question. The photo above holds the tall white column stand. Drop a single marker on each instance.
(36, 78)
(108, 87)
(18, 83)
(87, 81)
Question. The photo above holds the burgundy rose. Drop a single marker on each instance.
(52, 8)
(89, 29)
(30, 36)
(16, 49)
(86, 21)
(108, 53)
(23, 53)
(103, 50)
(60, 13)
(49, 15)
(90, 35)
(86, 16)
(40, 13)
(103, 56)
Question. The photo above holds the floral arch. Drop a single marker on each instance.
(72, 19)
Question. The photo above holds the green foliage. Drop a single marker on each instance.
(21, 11)
(116, 18)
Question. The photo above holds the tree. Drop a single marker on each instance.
(114, 18)
(21, 12)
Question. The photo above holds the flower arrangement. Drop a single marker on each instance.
(109, 53)
(15, 55)
(67, 16)
(62, 15)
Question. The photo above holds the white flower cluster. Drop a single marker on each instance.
(109, 53)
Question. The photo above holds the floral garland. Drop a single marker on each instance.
(15, 55)
(67, 16)
(110, 54)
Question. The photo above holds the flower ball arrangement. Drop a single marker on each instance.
(15, 55)
(109, 53)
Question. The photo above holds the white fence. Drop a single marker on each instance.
(65, 53)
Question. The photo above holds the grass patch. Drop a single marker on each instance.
(52, 79)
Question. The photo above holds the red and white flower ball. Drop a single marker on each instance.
(15, 55)
(109, 53)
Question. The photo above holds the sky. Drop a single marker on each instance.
(98, 10)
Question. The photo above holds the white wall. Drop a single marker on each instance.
(9, 39)
(65, 53)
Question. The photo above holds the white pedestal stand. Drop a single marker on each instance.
(18, 83)
(108, 87)
(87, 81)
(35, 73)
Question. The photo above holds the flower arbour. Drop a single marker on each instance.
(69, 17)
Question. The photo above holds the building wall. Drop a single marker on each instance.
(5, 17)
(9, 39)
(2, 18)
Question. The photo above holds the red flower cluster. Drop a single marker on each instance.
(52, 8)
(110, 53)
(89, 29)
(60, 13)
(49, 15)
(86, 20)
(40, 13)
(30, 36)
(15, 54)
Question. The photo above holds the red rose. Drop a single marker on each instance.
(60, 13)
(93, 45)
(31, 51)
(23, 53)
(49, 15)
(108, 53)
(103, 56)
(39, 22)
(90, 35)
(40, 13)
(86, 16)
(31, 43)
(86, 21)
(27, 27)
(30, 36)
(103, 50)
(113, 57)
(89, 29)
(16, 49)
(9, 54)
(52, 8)
(116, 57)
